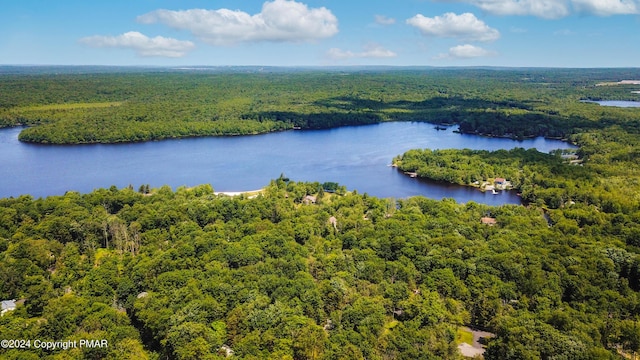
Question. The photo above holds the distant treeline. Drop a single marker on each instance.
(138, 106)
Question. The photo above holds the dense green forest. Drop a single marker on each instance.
(187, 274)
(312, 271)
(69, 108)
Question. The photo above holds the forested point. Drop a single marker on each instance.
(601, 176)
(123, 106)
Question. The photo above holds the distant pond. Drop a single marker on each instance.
(616, 103)
(356, 156)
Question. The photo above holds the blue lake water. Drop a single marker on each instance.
(357, 157)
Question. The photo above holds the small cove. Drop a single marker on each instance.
(356, 156)
(615, 103)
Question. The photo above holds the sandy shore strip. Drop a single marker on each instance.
(236, 193)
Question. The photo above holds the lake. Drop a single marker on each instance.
(356, 156)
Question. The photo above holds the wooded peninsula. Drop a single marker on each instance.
(304, 270)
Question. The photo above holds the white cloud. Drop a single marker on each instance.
(464, 26)
(468, 51)
(549, 9)
(555, 9)
(142, 44)
(383, 20)
(607, 7)
(279, 20)
(465, 52)
(370, 51)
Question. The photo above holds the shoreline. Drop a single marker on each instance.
(238, 193)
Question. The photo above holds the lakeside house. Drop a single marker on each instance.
(502, 183)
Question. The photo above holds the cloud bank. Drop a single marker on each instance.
(143, 45)
(555, 9)
(279, 21)
(466, 51)
(371, 51)
(464, 26)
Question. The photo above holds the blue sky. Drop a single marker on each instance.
(543, 33)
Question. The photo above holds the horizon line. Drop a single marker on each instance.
(192, 67)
